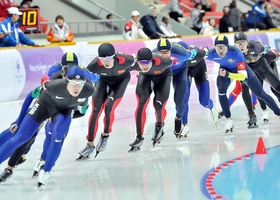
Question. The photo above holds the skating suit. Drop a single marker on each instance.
(235, 65)
(7, 134)
(55, 102)
(198, 71)
(180, 76)
(251, 100)
(157, 79)
(109, 91)
(260, 64)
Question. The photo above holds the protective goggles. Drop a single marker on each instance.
(144, 62)
(76, 82)
(240, 43)
(107, 58)
(220, 47)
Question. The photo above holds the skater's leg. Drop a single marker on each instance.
(5, 136)
(143, 92)
(27, 129)
(257, 89)
(115, 95)
(61, 125)
(180, 85)
(162, 91)
(234, 93)
(223, 84)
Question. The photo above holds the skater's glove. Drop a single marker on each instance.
(13, 128)
(193, 54)
(44, 80)
(36, 92)
(224, 73)
(174, 60)
(206, 49)
(266, 49)
(82, 109)
(94, 77)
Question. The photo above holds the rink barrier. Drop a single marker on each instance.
(22, 68)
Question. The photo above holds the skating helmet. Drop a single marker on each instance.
(144, 54)
(68, 58)
(163, 45)
(75, 72)
(106, 49)
(221, 39)
(240, 36)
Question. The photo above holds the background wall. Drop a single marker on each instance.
(24, 67)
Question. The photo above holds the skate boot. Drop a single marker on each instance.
(252, 123)
(158, 134)
(265, 116)
(221, 114)
(20, 161)
(214, 115)
(43, 178)
(229, 126)
(184, 132)
(5, 175)
(40, 164)
(177, 127)
(138, 142)
(86, 152)
(101, 146)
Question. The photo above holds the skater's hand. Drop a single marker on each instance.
(43, 81)
(174, 60)
(193, 54)
(13, 128)
(224, 73)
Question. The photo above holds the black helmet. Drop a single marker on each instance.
(144, 54)
(106, 49)
(240, 36)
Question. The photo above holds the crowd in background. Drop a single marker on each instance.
(148, 25)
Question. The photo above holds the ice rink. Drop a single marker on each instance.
(173, 170)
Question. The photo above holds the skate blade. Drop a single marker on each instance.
(229, 132)
(134, 149)
(97, 152)
(82, 158)
(40, 186)
(181, 137)
(252, 126)
(35, 174)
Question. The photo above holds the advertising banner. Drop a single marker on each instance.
(37, 62)
(13, 74)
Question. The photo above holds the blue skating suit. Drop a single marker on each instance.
(230, 62)
(180, 75)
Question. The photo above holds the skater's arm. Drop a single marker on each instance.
(24, 108)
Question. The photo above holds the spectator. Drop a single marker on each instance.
(166, 28)
(206, 4)
(267, 20)
(196, 19)
(4, 5)
(109, 16)
(224, 21)
(13, 35)
(132, 29)
(234, 17)
(27, 4)
(255, 18)
(60, 31)
(150, 26)
(209, 27)
(174, 10)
